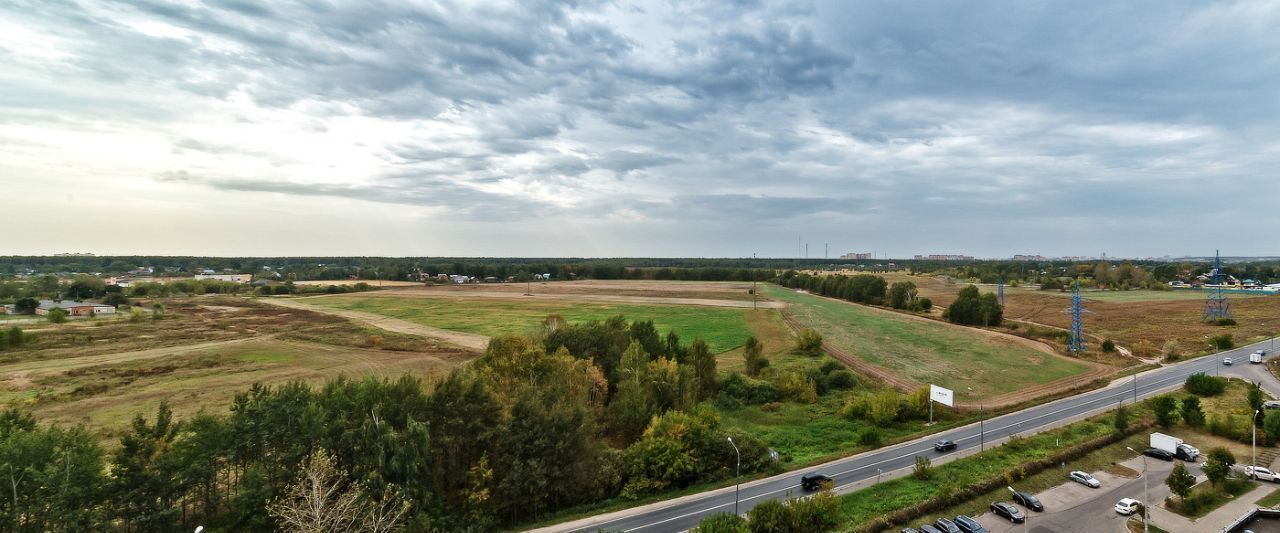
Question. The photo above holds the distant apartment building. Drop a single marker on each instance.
(943, 257)
(1036, 257)
(856, 255)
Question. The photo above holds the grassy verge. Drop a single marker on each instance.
(1206, 497)
(722, 328)
(1270, 500)
(905, 499)
(972, 363)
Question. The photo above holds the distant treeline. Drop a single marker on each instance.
(1111, 273)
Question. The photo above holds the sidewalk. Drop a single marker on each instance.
(1215, 521)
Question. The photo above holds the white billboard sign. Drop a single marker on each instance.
(941, 395)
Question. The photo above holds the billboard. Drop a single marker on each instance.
(941, 395)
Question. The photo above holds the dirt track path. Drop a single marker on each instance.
(570, 297)
(470, 341)
(21, 372)
(906, 384)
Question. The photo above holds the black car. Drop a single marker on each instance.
(969, 525)
(1007, 511)
(1028, 501)
(1157, 453)
(947, 526)
(814, 481)
(944, 445)
(926, 528)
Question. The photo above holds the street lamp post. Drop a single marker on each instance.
(736, 468)
(1254, 462)
(1146, 514)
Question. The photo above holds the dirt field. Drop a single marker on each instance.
(101, 372)
(1140, 321)
(345, 282)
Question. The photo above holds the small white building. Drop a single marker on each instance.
(75, 308)
(233, 278)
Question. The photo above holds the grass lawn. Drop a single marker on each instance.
(722, 328)
(1206, 497)
(928, 352)
(1270, 500)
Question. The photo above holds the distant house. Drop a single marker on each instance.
(456, 278)
(442, 277)
(234, 278)
(74, 307)
(8, 309)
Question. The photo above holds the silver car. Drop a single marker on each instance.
(1084, 478)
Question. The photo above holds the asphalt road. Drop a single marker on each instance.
(684, 513)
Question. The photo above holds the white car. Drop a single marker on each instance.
(1226, 361)
(1127, 506)
(1084, 478)
(1259, 473)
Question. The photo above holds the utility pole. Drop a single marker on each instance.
(1254, 462)
(982, 431)
(736, 470)
(1146, 513)
(1135, 384)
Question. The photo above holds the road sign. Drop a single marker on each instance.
(943, 396)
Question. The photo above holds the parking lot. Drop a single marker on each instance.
(1075, 508)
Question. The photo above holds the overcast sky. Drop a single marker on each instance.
(640, 129)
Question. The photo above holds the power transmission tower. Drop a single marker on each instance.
(1000, 290)
(1216, 307)
(1077, 320)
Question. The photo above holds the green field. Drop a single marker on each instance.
(928, 352)
(722, 328)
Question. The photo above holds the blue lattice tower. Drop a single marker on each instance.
(1216, 306)
(1000, 289)
(1077, 320)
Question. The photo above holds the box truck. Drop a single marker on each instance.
(1175, 446)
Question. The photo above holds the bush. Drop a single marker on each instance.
(1201, 384)
(1108, 346)
(841, 380)
(769, 516)
(869, 437)
(57, 315)
(809, 342)
(923, 470)
(1166, 410)
(722, 523)
(1225, 322)
(1222, 341)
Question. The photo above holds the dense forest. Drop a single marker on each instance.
(576, 414)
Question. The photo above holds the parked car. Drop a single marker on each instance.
(944, 445)
(926, 528)
(814, 481)
(1007, 511)
(1157, 453)
(1127, 506)
(1271, 404)
(947, 526)
(1261, 474)
(1028, 501)
(910, 530)
(1226, 361)
(969, 525)
(1084, 478)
